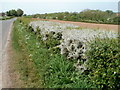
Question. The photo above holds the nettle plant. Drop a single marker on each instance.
(104, 62)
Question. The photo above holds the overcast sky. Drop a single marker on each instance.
(50, 6)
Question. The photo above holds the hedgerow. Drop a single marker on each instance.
(87, 15)
(104, 62)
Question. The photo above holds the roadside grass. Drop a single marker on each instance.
(21, 58)
(40, 66)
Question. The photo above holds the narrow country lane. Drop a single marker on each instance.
(5, 28)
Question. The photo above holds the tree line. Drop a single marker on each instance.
(87, 15)
(18, 12)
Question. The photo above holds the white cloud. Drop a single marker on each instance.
(59, 0)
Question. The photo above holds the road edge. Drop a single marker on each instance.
(6, 83)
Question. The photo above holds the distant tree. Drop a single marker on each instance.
(19, 12)
(66, 12)
(109, 11)
(117, 20)
(8, 13)
(25, 15)
(11, 13)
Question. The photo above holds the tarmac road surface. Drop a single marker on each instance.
(5, 28)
